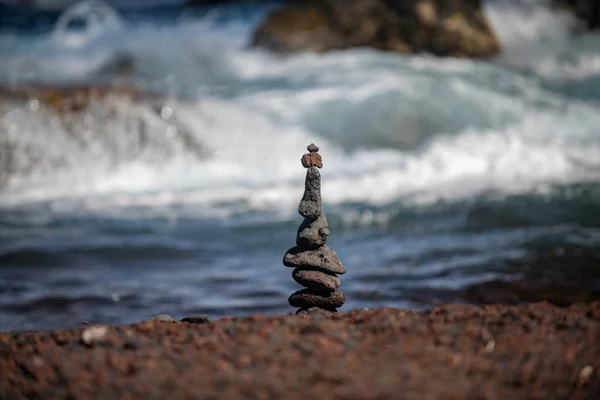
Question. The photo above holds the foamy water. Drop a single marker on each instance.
(429, 130)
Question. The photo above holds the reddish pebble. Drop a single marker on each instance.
(312, 160)
(313, 148)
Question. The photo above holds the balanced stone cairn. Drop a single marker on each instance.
(316, 266)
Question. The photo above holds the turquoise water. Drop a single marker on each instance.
(439, 173)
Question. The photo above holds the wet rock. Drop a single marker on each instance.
(77, 98)
(197, 319)
(295, 28)
(313, 234)
(310, 205)
(587, 11)
(307, 298)
(323, 258)
(445, 28)
(316, 280)
(121, 123)
(540, 275)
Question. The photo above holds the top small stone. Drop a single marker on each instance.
(312, 148)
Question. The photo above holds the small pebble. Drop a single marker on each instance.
(312, 147)
(94, 334)
(585, 374)
(312, 160)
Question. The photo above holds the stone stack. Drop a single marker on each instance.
(316, 266)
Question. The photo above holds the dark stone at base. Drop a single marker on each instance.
(445, 28)
(313, 234)
(197, 319)
(307, 298)
(316, 280)
(323, 258)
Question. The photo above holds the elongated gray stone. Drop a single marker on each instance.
(307, 298)
(311, 205)
(313, 234)
(317, 280)
(323, 258)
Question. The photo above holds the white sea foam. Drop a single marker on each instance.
(540, 39)
(392, 128)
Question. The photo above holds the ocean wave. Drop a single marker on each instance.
(414, 129)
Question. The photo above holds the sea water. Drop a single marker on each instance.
(439, 173)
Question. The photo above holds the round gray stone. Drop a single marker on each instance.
(307, 298)
(316, 280)
(313, 234)
(323, 258)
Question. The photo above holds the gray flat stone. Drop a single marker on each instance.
(313, 234)
(323, 258)
(306, 298)
(316, 280)
(311, 205)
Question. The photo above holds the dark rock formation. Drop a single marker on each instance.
(444, 28)
(88, 117)
(197, 319)
(586, 10)
(316, 265)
